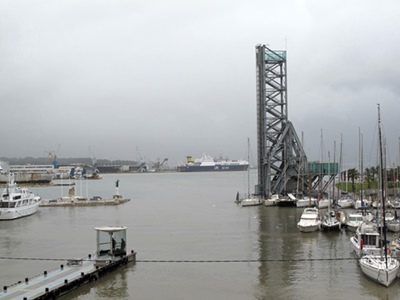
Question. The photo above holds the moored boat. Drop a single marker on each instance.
(393, 225)
(16, 202)
(361, 203)
(380, 269)
(330, 222)
(394, 203)
(323, 203)
(355, 218)
(310, 220)
(345, 203)
(251, 201)
(271, 201)
(285, 201)
(367, 239)
(306, 202)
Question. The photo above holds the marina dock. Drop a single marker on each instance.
(58, 282)
(110, 255)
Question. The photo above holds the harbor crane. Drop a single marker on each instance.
(158, 165)
(53, 154)
(92, 157)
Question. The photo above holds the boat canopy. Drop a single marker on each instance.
(111, 240)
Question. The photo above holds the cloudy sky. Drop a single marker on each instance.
(167, 79)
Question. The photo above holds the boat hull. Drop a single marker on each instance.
(323, 203)
(331, 227)
(305, 203)
(15, 213)
(269, 202)
(251, 202)
(393, 226)
(352, 227)
(286, 202)
(309, 220)
(345, 203)
(375, 268)
(212, 168)
(309, 228)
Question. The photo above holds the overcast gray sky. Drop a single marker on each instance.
(167, 79)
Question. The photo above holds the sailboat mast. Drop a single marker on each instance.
(248, 169)
(362, 167)
(329, 175)
(321, 169)
(334, 164)
(340, 164)
(383, 190)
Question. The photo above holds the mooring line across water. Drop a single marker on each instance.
(197, 260)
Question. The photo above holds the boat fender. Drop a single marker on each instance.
(361, 244)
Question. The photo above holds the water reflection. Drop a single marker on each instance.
(291, 259)
(113, 285)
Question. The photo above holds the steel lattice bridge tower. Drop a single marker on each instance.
(281, 158)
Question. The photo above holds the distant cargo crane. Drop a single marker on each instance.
(92, 157)
(53, 154)
(157, 166)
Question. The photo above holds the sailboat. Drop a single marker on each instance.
(381, 268)
(330, 222)
(321, 202)
(250, 200)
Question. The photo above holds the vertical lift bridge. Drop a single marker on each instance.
(282, 162)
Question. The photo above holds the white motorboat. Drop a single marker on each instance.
(394, 203)
(364, 203)
(345, 203)
(306, 202)
(323, 203)
(354, 219)
(271, 201)
(330, 222)
(17, 202)
(380, 268)
(376, 204)
(393, 226)
(366, 240)
(310, 220)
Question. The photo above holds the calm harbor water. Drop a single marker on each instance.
(192, 242)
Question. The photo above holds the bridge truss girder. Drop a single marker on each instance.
(281, 158)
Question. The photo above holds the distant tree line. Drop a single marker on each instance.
(63, 161)
(371, 177)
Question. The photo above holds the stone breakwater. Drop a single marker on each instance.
(78, 201)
